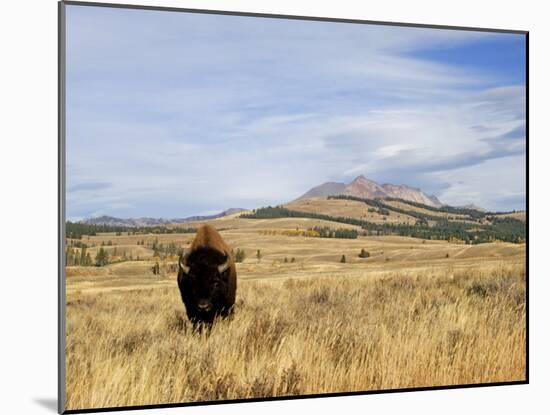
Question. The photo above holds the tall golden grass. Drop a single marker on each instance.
(294, 336)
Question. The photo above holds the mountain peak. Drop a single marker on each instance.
(362, 179)
(369, 189)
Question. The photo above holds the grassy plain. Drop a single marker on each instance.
(350, 209)
(415, 313)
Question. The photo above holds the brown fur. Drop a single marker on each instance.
(208, 237)
(204, 282)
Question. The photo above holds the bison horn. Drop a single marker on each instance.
(223, 267)
(182, 264)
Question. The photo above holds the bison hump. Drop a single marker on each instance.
(208, 237)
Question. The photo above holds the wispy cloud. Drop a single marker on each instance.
(88, 186)
(171, 114)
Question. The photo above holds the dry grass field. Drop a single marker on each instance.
(416, 313)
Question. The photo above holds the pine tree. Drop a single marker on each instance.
(343, 259)
(83, 256)
(364, 254)
(239, 255)
(102, 257)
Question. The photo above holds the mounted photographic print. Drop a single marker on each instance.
(270, 207)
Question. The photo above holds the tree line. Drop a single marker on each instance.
(504, 229)
(342, 233)
(161, 250)
(472, 213)
(81, 257)
(75, 230)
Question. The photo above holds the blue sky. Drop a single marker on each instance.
(177, 114)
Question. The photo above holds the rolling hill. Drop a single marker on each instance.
(391, 216)
(370, 209)
(141, 222)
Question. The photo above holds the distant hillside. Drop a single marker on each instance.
(369, 189)
(348, 209)
(325, 189)
(393, 216)
(142, 222)
(472, 207)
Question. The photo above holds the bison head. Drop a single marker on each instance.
(204, 280)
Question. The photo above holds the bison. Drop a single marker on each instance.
(207, 277)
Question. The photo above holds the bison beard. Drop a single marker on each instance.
(207, 277)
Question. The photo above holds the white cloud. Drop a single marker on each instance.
(175, 119)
